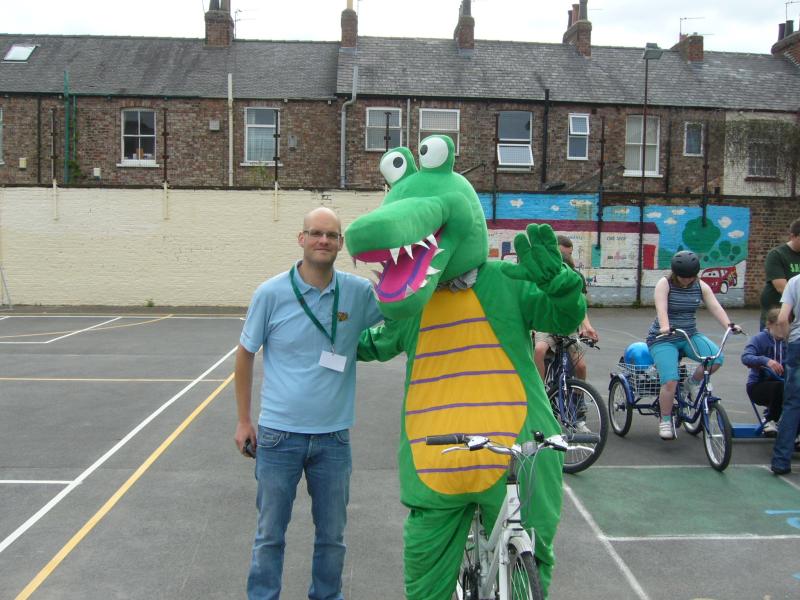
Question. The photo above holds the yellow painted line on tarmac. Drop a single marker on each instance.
(105, 379)
(111, 502)
(22, 335)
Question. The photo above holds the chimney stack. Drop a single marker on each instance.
(579, 29)
(788, 43)
(219, 24)
(690, 47)
(349, 28)
(464, 33)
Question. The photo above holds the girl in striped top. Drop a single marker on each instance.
(677, 298)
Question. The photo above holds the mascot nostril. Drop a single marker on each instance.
(464, 323)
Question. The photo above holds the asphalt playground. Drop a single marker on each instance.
(119, 477)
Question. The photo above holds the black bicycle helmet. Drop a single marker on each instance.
(685, 264)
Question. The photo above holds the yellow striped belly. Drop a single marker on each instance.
(462, 381)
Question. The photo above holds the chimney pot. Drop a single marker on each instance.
(789, 28)
(781, 31)
(464, 33)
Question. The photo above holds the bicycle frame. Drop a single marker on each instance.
(493, 550)
(700, 403)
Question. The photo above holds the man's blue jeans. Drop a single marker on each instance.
(790, 417)
(280, 460)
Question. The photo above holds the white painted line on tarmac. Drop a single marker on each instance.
(702, 538)
(621, 564)
(82, 330)
(34, 481)
(3, 318)
(77, 481)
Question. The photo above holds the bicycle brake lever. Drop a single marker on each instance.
(454, 449)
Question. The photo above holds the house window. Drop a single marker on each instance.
(439, 121)
(377, 128)
(139, 137)
(1, 137)
(578, 139)
(762, 160)
(693, 139)
(514, 150)
(633, 146)
(259, 135)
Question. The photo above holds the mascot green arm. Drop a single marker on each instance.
(555, 302)
(382, 342)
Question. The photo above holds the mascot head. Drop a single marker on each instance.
(429, 229)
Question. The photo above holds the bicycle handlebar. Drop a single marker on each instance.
(478, 442)
(731, 328)
(446, 440)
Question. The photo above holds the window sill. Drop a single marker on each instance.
(760, 179)
(639, 174)
(577, 158)
(146, 164)
(257, 163)
(515, 169)
(693, 155)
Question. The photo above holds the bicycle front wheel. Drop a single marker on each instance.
(717, 437)
(584, 412)
(523, 576)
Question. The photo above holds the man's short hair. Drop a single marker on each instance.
(794, 228)
(567, 243)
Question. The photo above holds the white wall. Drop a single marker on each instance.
(182, 247)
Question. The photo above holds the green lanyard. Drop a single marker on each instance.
(334, 314)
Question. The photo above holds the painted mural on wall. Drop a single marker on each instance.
(610, 268)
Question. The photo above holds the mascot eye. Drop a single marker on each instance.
(433, 153)
(393, 167)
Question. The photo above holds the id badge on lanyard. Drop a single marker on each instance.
(329, 360)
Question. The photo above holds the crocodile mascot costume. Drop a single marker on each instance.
(464, 324)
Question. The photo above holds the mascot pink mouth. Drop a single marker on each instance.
(405, 269)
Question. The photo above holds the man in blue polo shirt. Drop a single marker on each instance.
(308, 321)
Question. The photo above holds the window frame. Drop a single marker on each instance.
(429, 131)
(571, 135)
(138, 162)
(760, 175)
(638, 171)
(686, 137)
(368, 127)
(276, 128)
(507, 142)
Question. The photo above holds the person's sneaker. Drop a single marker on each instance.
(770, 429)
(780, 470)
(666, 430)
(580, 427)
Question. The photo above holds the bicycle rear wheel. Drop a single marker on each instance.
(717, 437)
(523, 576)
(620, 412)
(468, 573)
(584, 412)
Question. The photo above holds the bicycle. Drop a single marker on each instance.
(500, 566)
(632, 384)
(576, 404)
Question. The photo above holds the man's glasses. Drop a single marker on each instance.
(316, 234)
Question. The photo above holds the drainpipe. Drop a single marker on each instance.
(230, 129)
(545, 125)
(343, 133)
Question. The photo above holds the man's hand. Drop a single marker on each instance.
(244, 432)
(539, 259)
(775, 366)
(586, 330)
